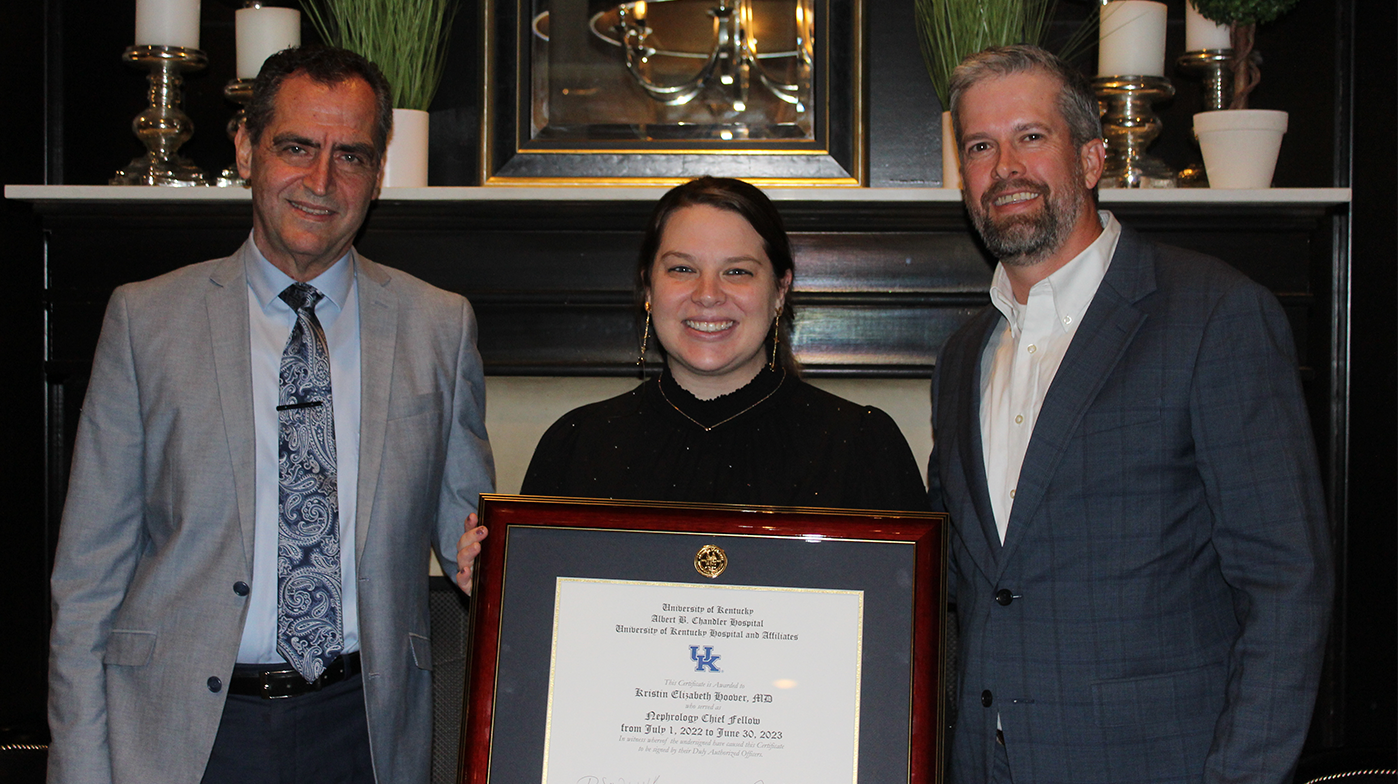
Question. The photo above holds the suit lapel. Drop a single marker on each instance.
(1107, 329)
(378, 336)
(970, 449)
(227, 303)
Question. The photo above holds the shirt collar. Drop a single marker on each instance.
(1071, 286)
(267, 282)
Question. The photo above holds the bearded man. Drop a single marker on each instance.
(1139, 554)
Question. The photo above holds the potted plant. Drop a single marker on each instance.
(951, 30)
(1240, 145)
(407, 39)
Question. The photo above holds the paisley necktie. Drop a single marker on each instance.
(310, 633)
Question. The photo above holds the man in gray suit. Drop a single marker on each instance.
(245, 418)
(1139, 552)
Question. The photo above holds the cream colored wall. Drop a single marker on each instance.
(520, 409)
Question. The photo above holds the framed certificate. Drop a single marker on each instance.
(621, 641)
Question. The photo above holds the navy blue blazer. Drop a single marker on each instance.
(1158, 610)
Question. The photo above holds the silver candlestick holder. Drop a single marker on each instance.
(1212, 66)
(163, 126)
(238, 91)
(1130, 124)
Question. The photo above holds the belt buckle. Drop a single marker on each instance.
(266, 683)
(283, 684)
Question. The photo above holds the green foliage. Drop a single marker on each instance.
(1243, 12)
(407, 39)
(950, 30)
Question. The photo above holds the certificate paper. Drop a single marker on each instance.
(676, 683)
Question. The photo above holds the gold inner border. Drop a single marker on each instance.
(859, 645)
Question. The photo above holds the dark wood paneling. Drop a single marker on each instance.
(878, 287)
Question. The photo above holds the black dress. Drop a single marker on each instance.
(777, 441)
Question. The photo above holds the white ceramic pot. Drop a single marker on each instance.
(405, 165)
(1240, 146)
(951, 162)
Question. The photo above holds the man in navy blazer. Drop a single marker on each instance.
(1139, 552)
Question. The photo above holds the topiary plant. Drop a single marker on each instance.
(1242, 18)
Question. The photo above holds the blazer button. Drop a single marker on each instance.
(216, 685)
(1003, 597)
(241, 588)
(986, 698)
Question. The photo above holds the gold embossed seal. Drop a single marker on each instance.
(711, 560)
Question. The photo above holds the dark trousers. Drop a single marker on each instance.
(316, 738)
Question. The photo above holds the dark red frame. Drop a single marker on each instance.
(499, 512)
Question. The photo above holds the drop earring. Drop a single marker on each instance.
(645, 334)
(776, 337)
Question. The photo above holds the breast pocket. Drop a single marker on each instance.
(1118, 417)
(1118, 450)
(414, 405)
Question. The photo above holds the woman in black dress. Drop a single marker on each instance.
(728, 420)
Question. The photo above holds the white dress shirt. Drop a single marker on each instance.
(270, 321)
(1020, 361)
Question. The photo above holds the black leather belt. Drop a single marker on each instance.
(280, 682)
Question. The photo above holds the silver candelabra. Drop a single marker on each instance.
(1130, 124)
(163, 126)
(1212, 66)
(238, 91)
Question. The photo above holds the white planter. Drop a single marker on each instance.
(405, 165)
(951, 162)
(1240, 146)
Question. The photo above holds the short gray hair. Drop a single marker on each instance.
(325, 65)
(1076, 101)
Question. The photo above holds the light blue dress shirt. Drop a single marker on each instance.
(270, 321)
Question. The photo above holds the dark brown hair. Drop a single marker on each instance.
(725, 193)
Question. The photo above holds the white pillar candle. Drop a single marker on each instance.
(261, 33)
(1132, 39)
(167, 23)
(1201, 34)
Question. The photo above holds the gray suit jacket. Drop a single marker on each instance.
(1159, 608)
(158, 523)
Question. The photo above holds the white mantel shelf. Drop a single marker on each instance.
(1107, 196)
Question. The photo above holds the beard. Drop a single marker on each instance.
(1025, 240)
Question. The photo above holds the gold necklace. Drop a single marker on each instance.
(707, 428)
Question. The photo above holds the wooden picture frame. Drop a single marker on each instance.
(894, 560)
(613, 147)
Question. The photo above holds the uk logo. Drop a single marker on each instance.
(706, 660)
